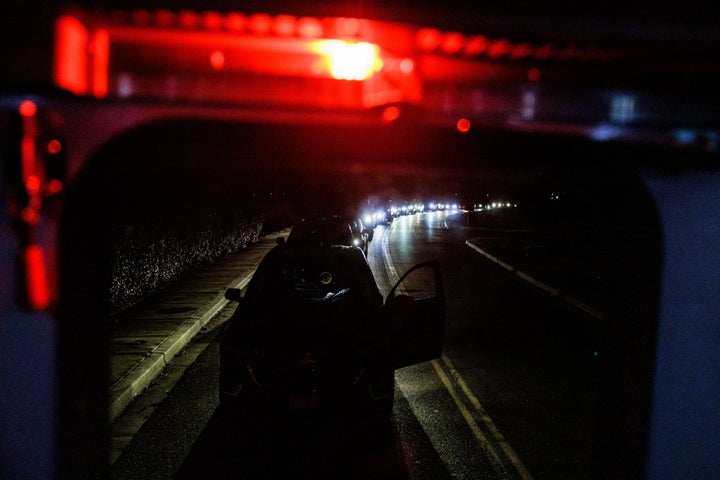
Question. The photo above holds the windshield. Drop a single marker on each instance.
(209, 212)
(315, 272)
(534, 249)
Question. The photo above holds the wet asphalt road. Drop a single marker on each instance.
(514, 396)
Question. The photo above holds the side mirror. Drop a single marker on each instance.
(233, 294)
(415, 309)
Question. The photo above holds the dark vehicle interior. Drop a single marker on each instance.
(599, 122)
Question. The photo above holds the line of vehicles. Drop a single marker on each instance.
(385, 214)
(357, 229)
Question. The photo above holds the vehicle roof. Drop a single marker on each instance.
(322, 231)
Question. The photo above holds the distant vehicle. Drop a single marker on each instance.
(312, 334)
(331, 230)
(374, 217)
(362, 234)
(384, 216)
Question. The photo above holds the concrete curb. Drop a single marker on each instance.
(124, 391)
(137, 379)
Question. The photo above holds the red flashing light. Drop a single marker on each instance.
(54, 187)
(390, 114)
(463, 125)
(188, 20)
(534, 74)
(349, 60)
(100, 56)
(212, 21)
(476, 45)
(309, 27)
(347, 27)
(499, 48)
(545, 52)
(164, 19)
(261, 23)
(70, 66)
(81, 57)
(54, 146)
(160, 52)
(407, 65)
(452, 43)
(235, 22)
(520, 51)
(27, 151)
(141, 17)
(36, 278)
(428, 39)
(217, 60)
(284, 25)
(30, 216)
(32, 184)
(28, 108)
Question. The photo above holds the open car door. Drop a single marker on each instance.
(415, 308)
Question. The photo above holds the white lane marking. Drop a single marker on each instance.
(389, 267)
(593, 312)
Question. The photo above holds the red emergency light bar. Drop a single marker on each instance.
(254, 58)
(458, 44)
(267, 59)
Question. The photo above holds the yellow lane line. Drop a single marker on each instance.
(474, 428)
(496, 436)
(497, 440)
